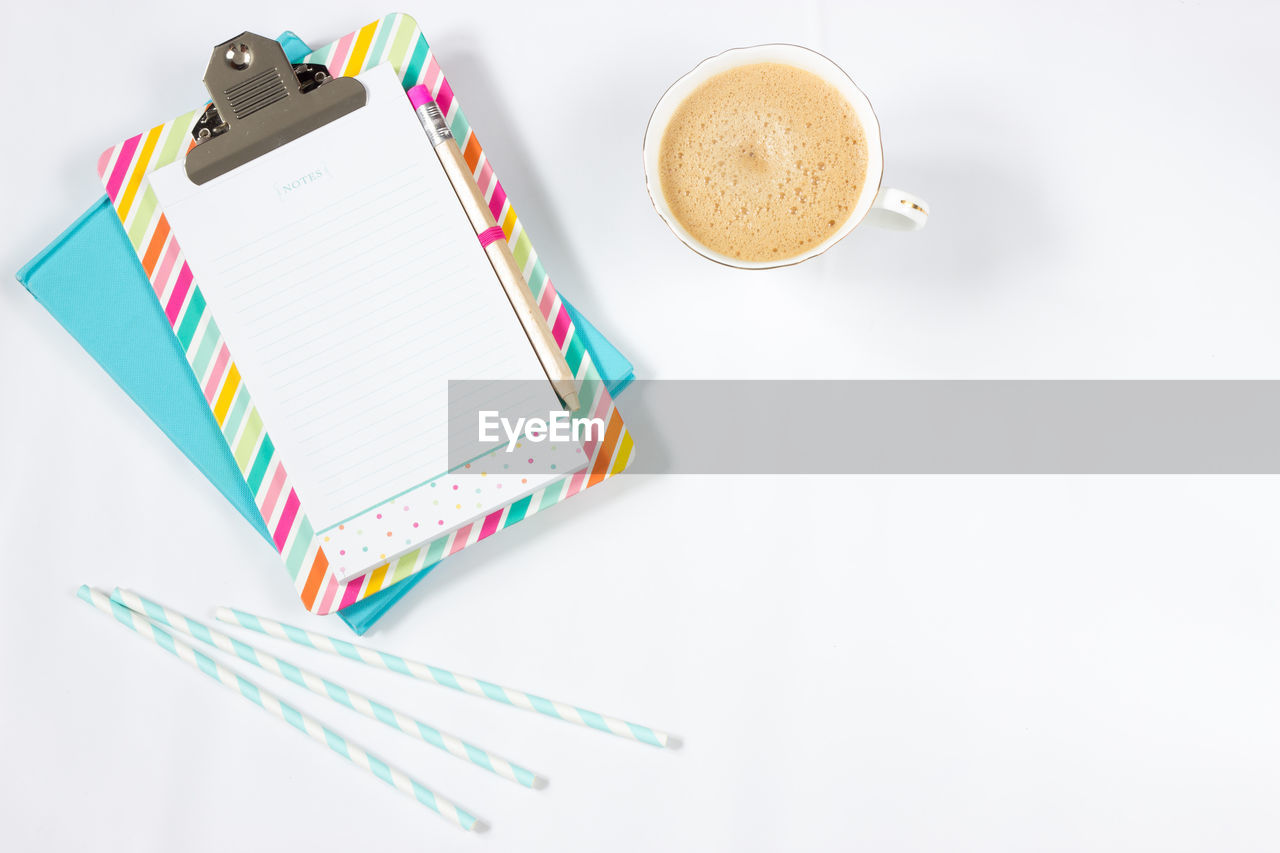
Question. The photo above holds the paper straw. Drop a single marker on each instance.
(445, 678)
(268, 702)
(324, 687)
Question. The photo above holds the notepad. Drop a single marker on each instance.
(346, 279)
(335, 566)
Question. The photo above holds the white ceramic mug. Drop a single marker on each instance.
(875, 204)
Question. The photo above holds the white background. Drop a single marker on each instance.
(883, 664)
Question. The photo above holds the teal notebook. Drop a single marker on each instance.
(90, 280)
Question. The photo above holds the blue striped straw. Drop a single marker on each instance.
(331, 690)
(445, 678)
(268, 702)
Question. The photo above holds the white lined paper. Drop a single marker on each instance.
(350, 301)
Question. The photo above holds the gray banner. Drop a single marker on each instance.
(953, 427)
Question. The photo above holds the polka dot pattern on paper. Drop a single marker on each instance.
(493, 481)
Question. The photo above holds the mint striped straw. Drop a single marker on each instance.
(445, 678)
(270, 703)
(324, 687)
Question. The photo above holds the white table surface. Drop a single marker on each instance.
(986, 664)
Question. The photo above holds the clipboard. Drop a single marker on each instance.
(396, 40)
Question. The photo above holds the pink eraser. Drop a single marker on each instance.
(420, 95)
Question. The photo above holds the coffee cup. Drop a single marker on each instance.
(874, 204)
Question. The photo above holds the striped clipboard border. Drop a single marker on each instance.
(124, 168)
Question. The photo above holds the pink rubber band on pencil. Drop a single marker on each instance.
(491, 235)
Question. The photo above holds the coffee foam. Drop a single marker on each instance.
(763, 162)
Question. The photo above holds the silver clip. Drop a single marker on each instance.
(261, 102)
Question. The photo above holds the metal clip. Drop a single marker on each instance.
(261, 102)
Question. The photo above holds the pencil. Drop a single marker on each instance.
(495, 246)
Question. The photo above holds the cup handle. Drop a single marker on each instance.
(898, 210)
